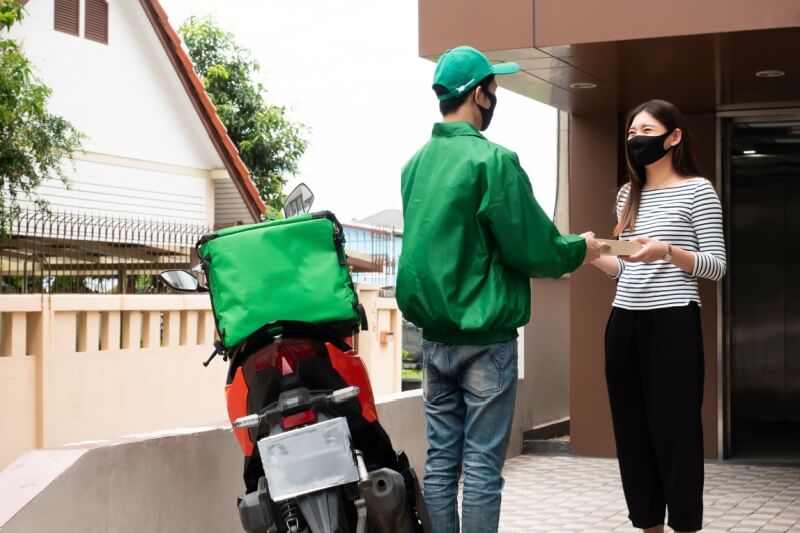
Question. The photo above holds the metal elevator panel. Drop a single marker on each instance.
(758, 295)
(765, 282)
(792, 297)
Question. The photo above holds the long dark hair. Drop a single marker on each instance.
(683, 161)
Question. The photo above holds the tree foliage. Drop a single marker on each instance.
(269, 143)
(33, 142)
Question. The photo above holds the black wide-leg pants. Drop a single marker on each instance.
(654, 373)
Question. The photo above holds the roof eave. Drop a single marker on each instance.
(216, 130)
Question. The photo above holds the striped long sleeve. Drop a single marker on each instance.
(689, 216)
(707, 223)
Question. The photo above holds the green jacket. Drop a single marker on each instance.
(473, 235)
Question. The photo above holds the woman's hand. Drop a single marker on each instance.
(652, 250)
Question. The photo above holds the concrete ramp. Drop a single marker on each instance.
(187, 480)
(177, 481)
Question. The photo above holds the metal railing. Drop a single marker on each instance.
(81, 253)
(94, 254)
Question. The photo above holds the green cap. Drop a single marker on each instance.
(462, 68)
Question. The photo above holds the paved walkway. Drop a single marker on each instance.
(564, 494)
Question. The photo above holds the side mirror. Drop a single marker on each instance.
(180, 280)
(299, 201)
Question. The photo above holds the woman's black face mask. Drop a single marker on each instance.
(645, 150)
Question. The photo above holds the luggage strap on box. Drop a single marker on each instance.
(286, 328)
(219, 349)
(294, 328)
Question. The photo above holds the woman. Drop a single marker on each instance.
(654, 346)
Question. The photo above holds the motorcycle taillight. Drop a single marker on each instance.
(283, 355)
(298, 419)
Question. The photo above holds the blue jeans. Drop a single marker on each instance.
(469, 394)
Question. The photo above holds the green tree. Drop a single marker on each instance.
(268, 142)
(33, 142)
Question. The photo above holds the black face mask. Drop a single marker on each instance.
(647, 149)
(486, 114)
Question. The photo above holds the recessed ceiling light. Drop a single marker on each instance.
(770, 74)
(583, 85)
(749, 152)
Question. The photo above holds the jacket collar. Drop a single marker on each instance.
(454, 129)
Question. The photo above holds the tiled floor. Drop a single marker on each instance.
(564, 494)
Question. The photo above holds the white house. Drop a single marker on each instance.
(155, 148)
(157, 170)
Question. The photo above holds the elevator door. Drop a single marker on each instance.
(765, 290)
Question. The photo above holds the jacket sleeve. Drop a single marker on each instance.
(527, 239)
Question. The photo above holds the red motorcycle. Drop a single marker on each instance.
(316, 459)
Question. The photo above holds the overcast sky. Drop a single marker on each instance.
(350, 71)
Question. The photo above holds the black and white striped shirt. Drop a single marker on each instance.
(688, 215)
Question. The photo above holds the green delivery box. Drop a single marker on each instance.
(285, 270)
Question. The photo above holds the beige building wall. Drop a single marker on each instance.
(78, 367)
(18, 391)
(380, 346)
(544, 393)
(89, 367)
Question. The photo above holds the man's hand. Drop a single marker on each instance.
(594, 249)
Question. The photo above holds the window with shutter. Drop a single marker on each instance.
(97, 21)
(68, 16)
